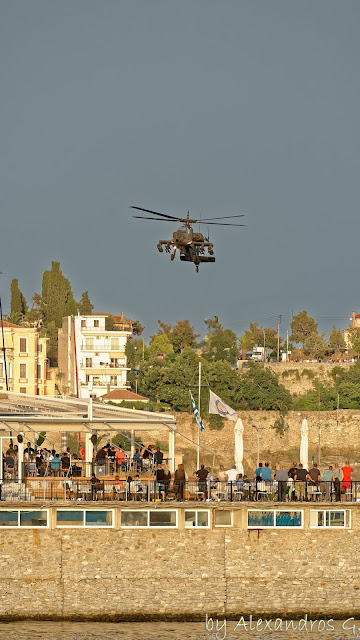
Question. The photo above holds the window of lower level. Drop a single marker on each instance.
(223, 518)
(196, 519)
(84, 518)
(274, 518)
(147, 518)
(23, 518)
(332, 518)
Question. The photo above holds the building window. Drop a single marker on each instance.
(113, 381)
(39, 372)
(96, 323)
(39, 347)
(330, 518)
(22, 389)
(88, 363)
(114, 344)
(23, 371)
(1, 369)
(84, 518)
(89, 343)
(83, 324)
(196, 519)
(281, 519)
(164, 518)
(223, 518)
(23, 345)
(23, 518)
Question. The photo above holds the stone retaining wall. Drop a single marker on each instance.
(119, 574)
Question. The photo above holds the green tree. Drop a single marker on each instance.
(57, 296)
(85, 306)
(304, 332)
(181, 335)
(260, 389)
(336, 340)
(254, 335)
(137, 328)
(18, 303)
(219, 343)
(160, 344)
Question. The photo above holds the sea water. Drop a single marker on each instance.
(166, 631)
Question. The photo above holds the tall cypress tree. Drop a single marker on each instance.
(85, 306)
(18, 303)
(57, 295)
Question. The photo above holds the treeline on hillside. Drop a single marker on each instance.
(165, 370)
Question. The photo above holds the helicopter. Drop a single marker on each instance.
(191, 245)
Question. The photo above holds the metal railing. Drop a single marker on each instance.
(132, 487)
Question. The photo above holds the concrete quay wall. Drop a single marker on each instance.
(134, 574)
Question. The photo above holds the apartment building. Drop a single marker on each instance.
(354, 326)
(25, 364)
(92, 360)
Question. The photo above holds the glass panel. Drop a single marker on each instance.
(190, 519)
(260, 518)
(70, 518)
(203, 519)
(223, 518)
(316, 518)
(33, 518)
(134, 518)
(336, 519)
(8, 518)
(162, 518)
(288, 519)
(98, 518)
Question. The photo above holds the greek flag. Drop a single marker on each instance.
(197, 415)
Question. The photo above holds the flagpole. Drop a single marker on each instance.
(198, 447)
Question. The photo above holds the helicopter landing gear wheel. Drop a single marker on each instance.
(172, 256)
(197, 268)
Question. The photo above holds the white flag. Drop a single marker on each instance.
(216, 405)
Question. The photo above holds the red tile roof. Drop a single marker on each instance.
(124, 394)
(9, 324)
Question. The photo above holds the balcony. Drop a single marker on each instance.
(102, 347)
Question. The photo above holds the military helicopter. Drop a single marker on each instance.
(191, 245)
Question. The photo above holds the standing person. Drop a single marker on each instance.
(179, 482)
(159, 456)
(326, 482)
(300, 482)
(167, 478)
(313, 478)
(337, 477)
(346, 481)
(258, 471)
(160, 481)
(282, 478)
(55, 465)
(201, 475)
(291, 474)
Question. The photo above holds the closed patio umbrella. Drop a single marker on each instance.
(239, 445)
(304, 443)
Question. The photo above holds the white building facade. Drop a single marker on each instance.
(92, 360)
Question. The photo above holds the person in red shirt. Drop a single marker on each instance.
(346, 481)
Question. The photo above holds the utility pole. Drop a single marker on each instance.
(199, 398)
(264, 348)
(278, 339)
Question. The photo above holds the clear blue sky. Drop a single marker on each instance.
(220, 107)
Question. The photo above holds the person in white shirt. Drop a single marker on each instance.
(231, 474)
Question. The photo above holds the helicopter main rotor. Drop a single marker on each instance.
(164, 217)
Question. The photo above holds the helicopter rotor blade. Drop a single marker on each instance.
(223, 224)
(156, 213)
(158, 219)
(223, 217)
